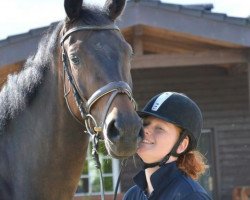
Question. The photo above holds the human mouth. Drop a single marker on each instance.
(145, 141)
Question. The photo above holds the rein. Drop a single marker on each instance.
(84, 105)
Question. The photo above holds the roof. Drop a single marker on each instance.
(201, 10)
(188, 19)
(195, 20)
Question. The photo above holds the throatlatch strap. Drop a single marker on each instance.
(171, 153)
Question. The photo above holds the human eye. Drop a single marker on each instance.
(145, 123)
(160, 129)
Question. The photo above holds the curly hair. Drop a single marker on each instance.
(193, 163)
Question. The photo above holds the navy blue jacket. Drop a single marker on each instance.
(169, 183)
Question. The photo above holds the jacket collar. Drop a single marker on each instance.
(162, 177)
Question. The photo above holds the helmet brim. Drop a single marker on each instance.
(144, 114)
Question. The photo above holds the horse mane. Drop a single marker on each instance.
(20, 88)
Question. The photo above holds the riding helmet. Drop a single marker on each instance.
(177, 109)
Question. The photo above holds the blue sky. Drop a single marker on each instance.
(19, 16)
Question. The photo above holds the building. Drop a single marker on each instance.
(192, 50)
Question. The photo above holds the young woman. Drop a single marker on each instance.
(172, 127)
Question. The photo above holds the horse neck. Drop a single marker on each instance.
(45, 147)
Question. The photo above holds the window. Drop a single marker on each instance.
(89, 183)
(207, 147)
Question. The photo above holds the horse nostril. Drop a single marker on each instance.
(113, 132)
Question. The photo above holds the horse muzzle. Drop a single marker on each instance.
(122, 133)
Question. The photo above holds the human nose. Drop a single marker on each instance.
(146, 130)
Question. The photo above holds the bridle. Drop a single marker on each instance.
(84, 105)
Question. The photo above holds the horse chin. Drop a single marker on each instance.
(119, 152)
(113, 155)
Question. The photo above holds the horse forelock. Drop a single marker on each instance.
(91, 15)
(20, 88)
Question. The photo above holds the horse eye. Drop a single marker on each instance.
(75, 59)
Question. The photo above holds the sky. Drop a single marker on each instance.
(19, 16)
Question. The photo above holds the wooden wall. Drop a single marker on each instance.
(222, 95)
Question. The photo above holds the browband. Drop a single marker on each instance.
(96, 28)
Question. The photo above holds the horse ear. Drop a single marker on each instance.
(115, 8)
(73, 8)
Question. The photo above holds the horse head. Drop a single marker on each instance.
(97, 61)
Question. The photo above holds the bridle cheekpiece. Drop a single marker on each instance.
(84, 105)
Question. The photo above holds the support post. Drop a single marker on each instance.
(248, 82)
(137, 40)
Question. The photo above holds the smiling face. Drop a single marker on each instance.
(159, 138)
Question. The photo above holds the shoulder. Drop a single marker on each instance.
(187, 188)
(134, 193)
(185, 182)
(197, 196)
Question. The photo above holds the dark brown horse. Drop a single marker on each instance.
(42, 147)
